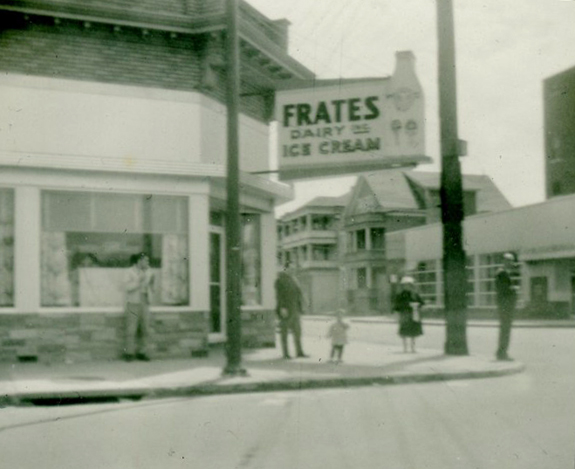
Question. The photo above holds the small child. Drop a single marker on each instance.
(338, 334)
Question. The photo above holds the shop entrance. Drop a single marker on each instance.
(573, 294)
(539, 291)
(217, 287)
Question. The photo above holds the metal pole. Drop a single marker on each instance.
(455, 279)
(233, 228)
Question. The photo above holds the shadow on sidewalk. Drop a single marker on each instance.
(351, 368)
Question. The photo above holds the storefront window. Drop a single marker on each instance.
(6, 247)
(426, 280)
(88, 238)
(251, 260)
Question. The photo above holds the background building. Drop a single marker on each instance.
(559, 123)
(387, 201)
(308, 238)
(540, 235)
(340, 245)
(113, 142)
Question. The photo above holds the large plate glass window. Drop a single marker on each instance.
(251, 259)
(88, 238)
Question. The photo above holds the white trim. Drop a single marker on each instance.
(95, 88)
(546, 256)
(199, 251)
(118, 310)
(27, 229)
(109, 164)
(77, 170)
(8, 79)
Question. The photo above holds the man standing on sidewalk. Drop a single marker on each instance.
(290, 301)
(506, 299)
(139, 283)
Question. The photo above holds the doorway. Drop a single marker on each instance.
(217, 286)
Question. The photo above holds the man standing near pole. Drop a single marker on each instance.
(506, 300)
(290, 301)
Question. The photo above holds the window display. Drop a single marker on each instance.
(251, 260)
(88, 238)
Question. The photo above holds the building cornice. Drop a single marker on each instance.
(94, 164)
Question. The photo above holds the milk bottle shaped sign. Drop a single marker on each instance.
(349, 125)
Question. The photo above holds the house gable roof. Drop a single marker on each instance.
(489, 197)
(318, 203)
(391, 189)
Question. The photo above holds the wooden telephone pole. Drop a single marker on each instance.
(454, 275)
(233, 227)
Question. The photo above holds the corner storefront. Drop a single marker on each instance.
(70, 221)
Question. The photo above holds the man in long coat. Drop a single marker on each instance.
(506, 296)
(290, 301)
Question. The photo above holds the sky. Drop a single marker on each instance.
(504, 51)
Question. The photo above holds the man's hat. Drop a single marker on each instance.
(509, 256)
(407, 280)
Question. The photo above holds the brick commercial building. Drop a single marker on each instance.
(112, 141)
(559, 121)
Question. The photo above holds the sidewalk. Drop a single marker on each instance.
(518, 323)
(365, 364)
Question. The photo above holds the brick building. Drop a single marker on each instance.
(559, 122)
(112, 142)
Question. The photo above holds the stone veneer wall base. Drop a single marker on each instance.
(81, 337)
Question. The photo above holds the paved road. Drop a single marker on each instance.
(521, 421)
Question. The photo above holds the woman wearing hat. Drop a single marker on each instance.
(408, 303)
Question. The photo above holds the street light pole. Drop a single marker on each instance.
(233, 228)
(455, 278)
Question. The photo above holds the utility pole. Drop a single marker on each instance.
(233, 228)
(454, 275)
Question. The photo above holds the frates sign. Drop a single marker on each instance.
(345, 126)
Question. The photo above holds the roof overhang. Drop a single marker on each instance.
(263, 62)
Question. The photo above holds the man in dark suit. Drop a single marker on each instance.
(289, 307)
(506, 295)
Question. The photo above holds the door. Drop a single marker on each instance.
(217, 287)
(539, 289)
(573, 294)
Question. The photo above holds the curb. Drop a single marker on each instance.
(519, 324)
(110, 395)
